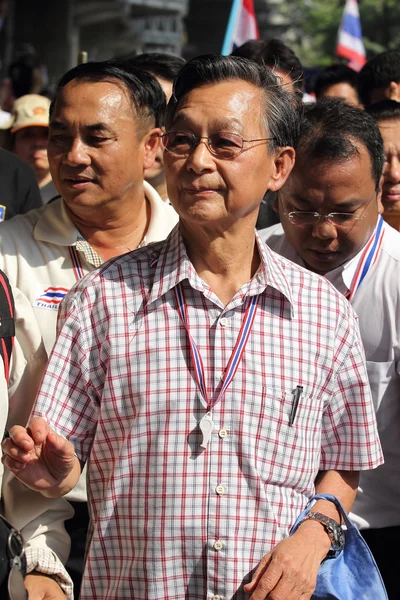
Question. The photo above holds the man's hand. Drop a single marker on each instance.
(289, 571)
(42, 587)
(41, 459)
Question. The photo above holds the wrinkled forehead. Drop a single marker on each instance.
(233, 101)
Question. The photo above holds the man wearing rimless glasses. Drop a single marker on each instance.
(213, 385)
(329, 209)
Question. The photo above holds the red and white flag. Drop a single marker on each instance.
(242, 26)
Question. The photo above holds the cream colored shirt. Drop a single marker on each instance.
(35, 254)
(39, 519)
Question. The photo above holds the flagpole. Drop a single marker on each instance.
(229, 29)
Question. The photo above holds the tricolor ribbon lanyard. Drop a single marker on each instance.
(368, 258)
(76, 263)
(206, 423)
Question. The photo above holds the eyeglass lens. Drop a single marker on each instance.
(222, 144)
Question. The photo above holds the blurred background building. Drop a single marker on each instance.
(50, 33)
(57, 29)
(41, 39)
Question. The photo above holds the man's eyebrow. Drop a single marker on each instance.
(299, 198)
(348, 204)
(98, 127)
(54, 124)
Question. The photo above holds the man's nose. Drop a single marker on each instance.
(200, 158)
(324, 229)
(76, 153)
(392, 170)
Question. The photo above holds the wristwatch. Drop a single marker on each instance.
(333, 529)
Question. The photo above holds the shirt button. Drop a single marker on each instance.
(223, 321)
(218, 545)
(222, 433)
(220, 490)
(215, 597)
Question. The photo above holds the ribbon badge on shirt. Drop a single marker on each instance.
(368, 258)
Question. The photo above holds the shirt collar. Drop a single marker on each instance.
(162, 215)
(55, 226)
(173, 266)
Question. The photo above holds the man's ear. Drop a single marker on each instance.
(394, 91)
(379, 196)
(151, 142)
(284, 163)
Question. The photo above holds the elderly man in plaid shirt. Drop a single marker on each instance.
(211, 385)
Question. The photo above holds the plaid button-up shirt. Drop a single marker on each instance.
(169, 519)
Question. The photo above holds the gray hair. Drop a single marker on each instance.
(281, 109)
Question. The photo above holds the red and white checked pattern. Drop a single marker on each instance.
(120, 385)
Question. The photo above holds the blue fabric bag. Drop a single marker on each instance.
(353, 575)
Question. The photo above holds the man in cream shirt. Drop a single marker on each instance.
(44, 254)
(329, 209)
(106, 207)
(39, 520)
(103, 133)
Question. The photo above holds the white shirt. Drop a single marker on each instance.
(28, 361)
(40, 520)
(377, 303)
(35, 254)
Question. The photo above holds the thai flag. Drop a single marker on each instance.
(350, 44)
(242, 26)
(51, 297)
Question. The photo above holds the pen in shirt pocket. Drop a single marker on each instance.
(297, 392)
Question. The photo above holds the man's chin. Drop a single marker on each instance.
(322, 264)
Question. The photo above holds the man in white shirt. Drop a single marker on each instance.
(331, 225)
(106, 208)
(104, 132)
(39, 520)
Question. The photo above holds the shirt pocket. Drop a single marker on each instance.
(287, 455)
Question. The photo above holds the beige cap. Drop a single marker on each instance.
(31, 110)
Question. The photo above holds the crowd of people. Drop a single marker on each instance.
(205, 273)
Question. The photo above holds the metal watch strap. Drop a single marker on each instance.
(333, 529)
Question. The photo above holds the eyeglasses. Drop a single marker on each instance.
(222, 144)
(338, 219)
